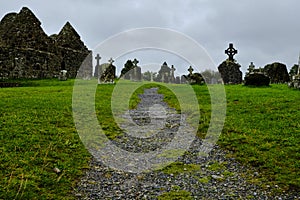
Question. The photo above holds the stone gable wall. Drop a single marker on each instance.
(26, 51)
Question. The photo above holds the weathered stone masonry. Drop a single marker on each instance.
(26, 51)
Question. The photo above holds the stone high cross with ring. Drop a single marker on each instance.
(231, 51)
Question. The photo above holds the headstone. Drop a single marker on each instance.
(256, 77)
(172, 74)
(97, 65)
(107, 73)
(126, 71)
(229, 69)
(111, 61)
(230, 72)
(63, 75)
(191, 70)
(183, 79)
(177, 80)
(136, 72)
(211, 76)
(295, 82)
(135, 62)
(251, 68)
(194, 78)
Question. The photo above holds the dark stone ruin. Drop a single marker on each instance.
(27, 52)
(230, 69)
(166, 74)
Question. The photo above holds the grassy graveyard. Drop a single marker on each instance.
(37, 134)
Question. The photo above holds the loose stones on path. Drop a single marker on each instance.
(218, 176)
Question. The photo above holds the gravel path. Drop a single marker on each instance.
(218, 176)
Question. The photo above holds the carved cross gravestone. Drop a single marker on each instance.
(135, 62)
(172, 74)
(255, 77)
(230, 69)
(97, 67)
(98, 59)
(231, 51)
(111, 61)
(191, 70)
(134, 75)
(137, 72)
(251, 68)
(107, 72)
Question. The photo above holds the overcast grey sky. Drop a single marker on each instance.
(263, 31)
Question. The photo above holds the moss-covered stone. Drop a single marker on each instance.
(230, 72)
(26, 51)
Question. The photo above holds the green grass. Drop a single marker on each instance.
(179, 168)
(263, 130)
(217, 166)
(175, 193)
(178, 195)
(37, 134)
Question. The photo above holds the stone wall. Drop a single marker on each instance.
(26, 51)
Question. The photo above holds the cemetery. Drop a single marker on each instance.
(43, 157)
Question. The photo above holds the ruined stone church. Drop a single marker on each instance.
(26, 51)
